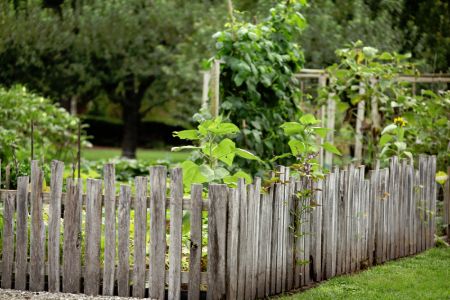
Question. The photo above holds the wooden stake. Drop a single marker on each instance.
(359, 123)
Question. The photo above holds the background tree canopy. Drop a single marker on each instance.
(138, 60)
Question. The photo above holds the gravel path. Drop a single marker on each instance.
(26, 295)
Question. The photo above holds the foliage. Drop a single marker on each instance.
(136, 54)
(258, 88)
(215, 153)
(304, 146)
(55, 132)
(393, 142)
(364, 74)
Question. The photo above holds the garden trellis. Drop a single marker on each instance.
(360, 219)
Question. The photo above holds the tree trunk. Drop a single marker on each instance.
(131, 119)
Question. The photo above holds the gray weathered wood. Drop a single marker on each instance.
(232, 254)
(123, 282)
(433, 188)
(54, 226)
(269, 208)
(262, 251)
(7, 176)
(256, 242)
(176, 218)
(284, 227)
(37, 238)
(72, 237)
(196, 242)
(21, 233)
(290, 241)
(140, 234)
(158, 176)
(8, 241)
(349, 218)
(217, 228)
(93, 232)
(249, 276)
(316, 232)
(109, 200)
(242, 190)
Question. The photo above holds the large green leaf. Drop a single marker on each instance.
(297, 147)
(225, 151)
(389, 128)
(331, 148)
(385, 139)
(187, 134)
(292, 128)
(223, 128)
(191, 174)
(246, 154)
(232, 180)
(308, 119)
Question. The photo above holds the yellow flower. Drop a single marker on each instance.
(441, 177)
(400, 122)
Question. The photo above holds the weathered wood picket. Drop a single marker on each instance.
(255, 245)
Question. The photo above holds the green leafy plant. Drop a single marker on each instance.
(304, 146)
(366, 74)
(214, 153)
(258, 87)
(393, 141)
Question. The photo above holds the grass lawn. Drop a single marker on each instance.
(425, 276)
(142, 154)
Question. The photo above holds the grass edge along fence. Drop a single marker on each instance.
(252, 252)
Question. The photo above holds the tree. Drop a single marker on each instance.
(134, 52)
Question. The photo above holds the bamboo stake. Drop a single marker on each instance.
(359, 123)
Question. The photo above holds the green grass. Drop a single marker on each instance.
(425, 276)
(142, 154)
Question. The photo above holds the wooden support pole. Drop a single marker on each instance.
(322, 84)
(215, 89)
(205, 88)
(331, 116)
(358, 129)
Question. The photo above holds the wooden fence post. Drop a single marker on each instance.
(8, 241)
(215, 89)
(123, 270)
(37, 241)
(217, 230)
(110, 229)
(176, 218)
(93, 235)
(140, 234)
(72, 236)
(54, 226)
(196, 242)
(21, 233)
(358, 128)
(158, 175)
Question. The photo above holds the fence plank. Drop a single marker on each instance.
(386, 203)
(242, 238)
(422, 202)
(196, 242)
(176, 218)
(263, 241)
(21, 233)
(72, 237)
(256, 219)
(269, 246)
(447, 204)
(109, 175)
(348, 217)
(251, 215)
(232, 254)
(433, 188)
(217, 229)
(8, 240)
(54, 226)
(37, 237)
(123, 282)
(93, 232)
(316, 232)
(291, 219)
(158, 176)
(140, 234)
(284, 227)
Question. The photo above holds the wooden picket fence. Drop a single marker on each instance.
(253, 250)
